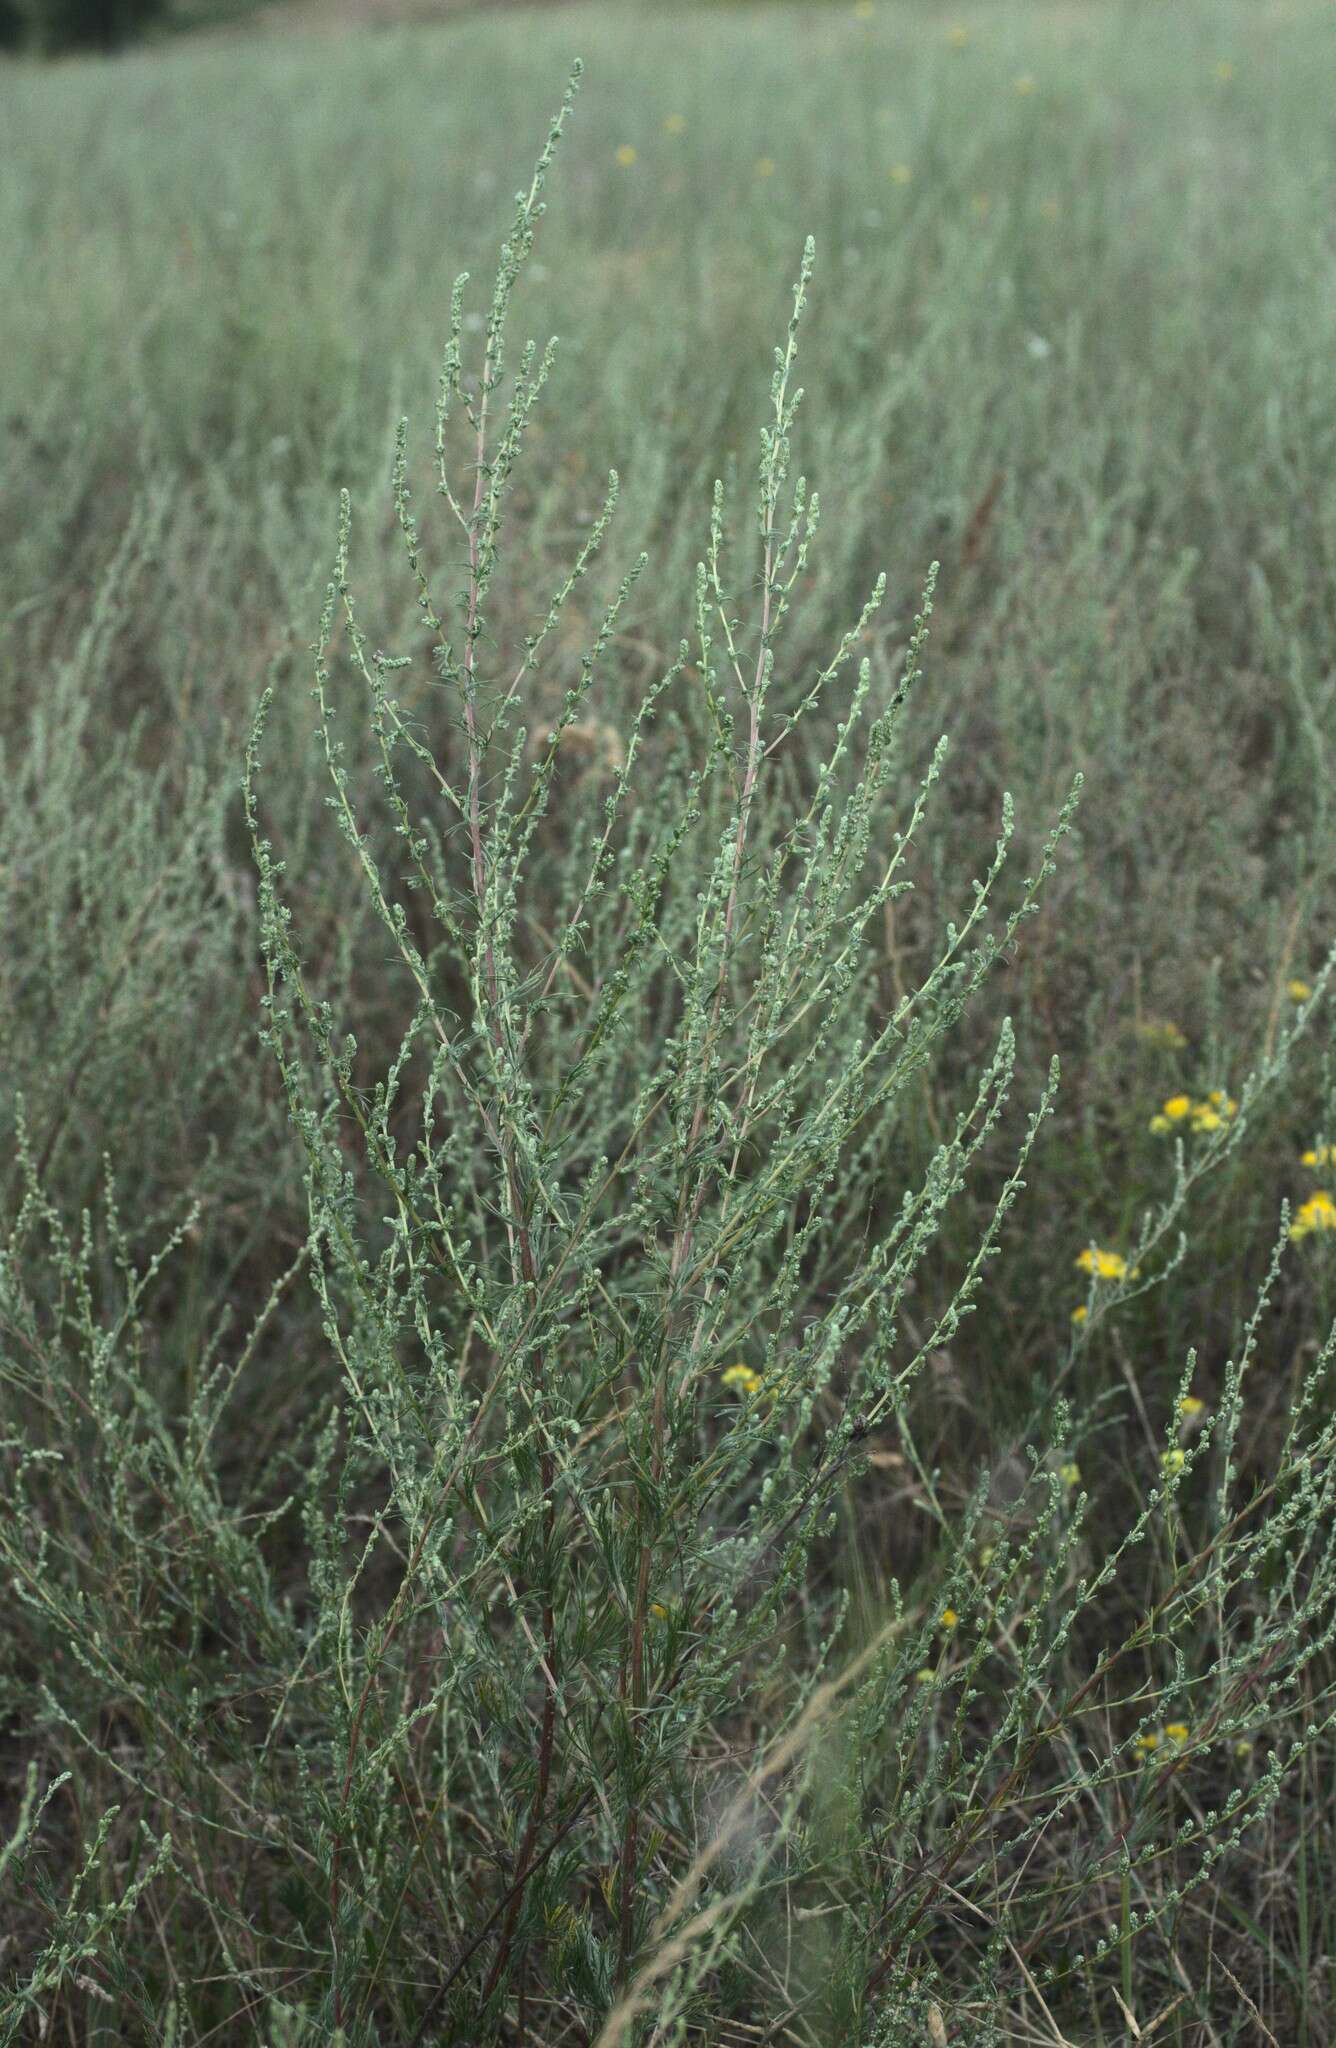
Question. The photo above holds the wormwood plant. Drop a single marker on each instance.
(627, 1296)
(629, 1265)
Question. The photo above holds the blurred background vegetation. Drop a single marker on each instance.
(1071, 328)
(55, 25)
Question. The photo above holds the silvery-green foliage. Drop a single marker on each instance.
(629, 1265)
(603, 1166)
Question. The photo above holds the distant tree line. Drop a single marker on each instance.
(54, 25)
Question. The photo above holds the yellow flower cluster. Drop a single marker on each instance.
(742, 1377)
(1298, 991)
(1173, 1735)
(1208, 1115)
(1104, 1265)
(1317, 1213)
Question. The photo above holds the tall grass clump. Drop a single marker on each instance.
(545, 1680)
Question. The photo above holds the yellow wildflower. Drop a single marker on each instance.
(1319, 1155)
(743, 1377)
(1216, 1109)
(949, 1617)
(674, 124)
(1317, 1213)
(1175, 1111)
(1079, 1314)
(1242, 1748)
(765, 167)
(1191, 1406)
(659, 1611)
(1298, 991)
(1173, 1461)
(1025, 85)
(1176, 1731)
(627, 154)
(926, 1675)
(987, 1554)
(1070, 1473)
(1147, 1744)
(1104, 1265)
(901, 174)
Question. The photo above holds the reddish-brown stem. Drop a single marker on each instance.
(501, 1906)
(520, 1237)
(688, 1213)
(527, 1859)
(631, 1830)
(354, 1744)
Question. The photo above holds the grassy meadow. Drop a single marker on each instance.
(563, 1478)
